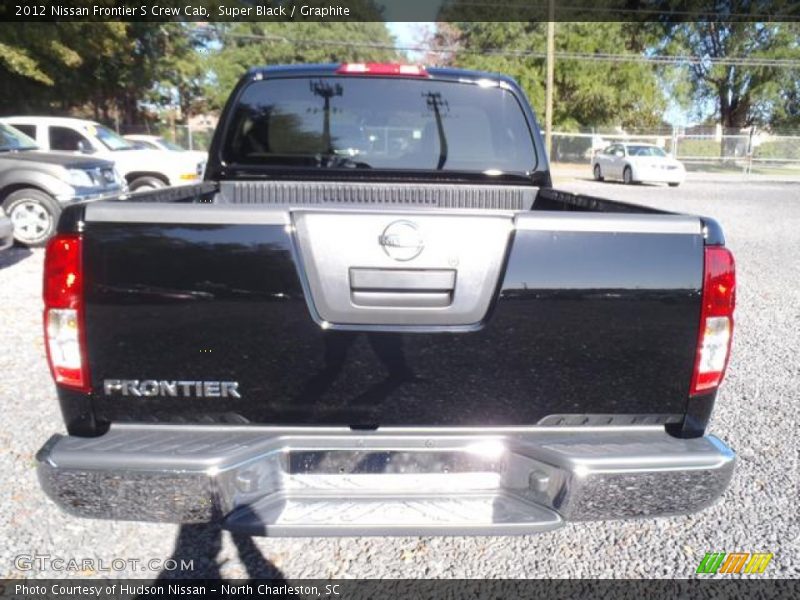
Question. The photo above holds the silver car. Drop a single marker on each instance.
(635, 162)
(35, 186)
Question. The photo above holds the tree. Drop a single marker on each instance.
(183, 68)
(107, 70)
(787, 112)
(85, 68)
(240, 46)
(40, 62)
(117, 70)
(588, 93)
(742, 95)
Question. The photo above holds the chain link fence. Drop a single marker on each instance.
(700, 149)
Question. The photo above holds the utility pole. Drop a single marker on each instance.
(548, 90)
(326, 91)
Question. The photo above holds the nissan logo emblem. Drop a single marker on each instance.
(401, 240)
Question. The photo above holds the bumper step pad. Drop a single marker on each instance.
(296, 516)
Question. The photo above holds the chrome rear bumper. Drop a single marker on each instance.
(334, 481)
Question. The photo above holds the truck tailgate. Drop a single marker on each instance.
(389, 316)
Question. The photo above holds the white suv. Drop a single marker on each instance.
(142, 169)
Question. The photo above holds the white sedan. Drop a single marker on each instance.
(637, 162)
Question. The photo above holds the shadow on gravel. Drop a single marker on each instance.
(13, 255)
(196, 550)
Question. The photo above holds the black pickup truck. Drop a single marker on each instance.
(376, 316)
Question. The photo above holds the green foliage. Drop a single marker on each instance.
(182, 68)
(38, 52)
(600, 92)
(74, 67)
(698, 148)
(244, 45)
(786, 112)
(586, 92)
(784, 149)
(742, 95)
(99, 69)
(18, 61)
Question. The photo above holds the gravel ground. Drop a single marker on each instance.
(756, 415)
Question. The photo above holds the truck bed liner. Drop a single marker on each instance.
(394, 195)
(347, 193)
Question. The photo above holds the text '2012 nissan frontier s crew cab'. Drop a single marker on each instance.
(376, 316)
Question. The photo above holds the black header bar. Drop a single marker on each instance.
(214, 11)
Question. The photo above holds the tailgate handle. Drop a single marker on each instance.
(402, 288)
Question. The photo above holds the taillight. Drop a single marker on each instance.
(63, 312)
(382, 69)
(716, 320)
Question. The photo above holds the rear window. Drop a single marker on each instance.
(380, 123)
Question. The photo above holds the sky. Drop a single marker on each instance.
(409, 34)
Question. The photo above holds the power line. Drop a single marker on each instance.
(737, 61)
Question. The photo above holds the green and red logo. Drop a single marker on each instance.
(734, 562)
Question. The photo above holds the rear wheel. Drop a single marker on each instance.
(34, 215)
(598, 176)
(627, 175)
(146, 183)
